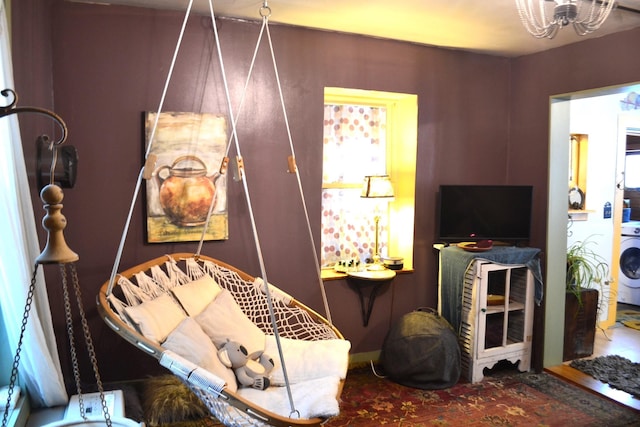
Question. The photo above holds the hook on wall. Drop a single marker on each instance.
(68, 172)
(620, 184)
(64, 172)
(569, 225)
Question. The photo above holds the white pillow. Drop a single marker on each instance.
(195, 296)
(314, 398)
(223, 319)
(189, 341)
(308, 360)
(155, 319)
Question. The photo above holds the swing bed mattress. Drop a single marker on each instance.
(232, 406)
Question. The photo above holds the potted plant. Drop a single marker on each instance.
(587, 274)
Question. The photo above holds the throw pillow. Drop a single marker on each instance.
(156, 318)
(308, 360)
(195, 296)
(223, 320)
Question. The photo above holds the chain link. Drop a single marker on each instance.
(16, 360)
(89, 343)
(72, 345)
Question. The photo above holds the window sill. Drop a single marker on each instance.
(19, 415)
(329, 274)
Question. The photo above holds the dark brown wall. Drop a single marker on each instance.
(476, 125)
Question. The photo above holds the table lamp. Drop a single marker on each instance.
(377, 187)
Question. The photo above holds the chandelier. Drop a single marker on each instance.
(543, 18)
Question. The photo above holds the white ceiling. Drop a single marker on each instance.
(488, 26)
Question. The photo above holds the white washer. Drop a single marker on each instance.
(629, 277)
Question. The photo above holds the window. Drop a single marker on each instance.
(632, 170)
(367, 133)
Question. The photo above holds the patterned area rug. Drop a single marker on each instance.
(506, 399)
(629, 318)
(617, 371)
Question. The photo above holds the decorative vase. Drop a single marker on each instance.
(186, 192)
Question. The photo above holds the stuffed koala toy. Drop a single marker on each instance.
(252, 370)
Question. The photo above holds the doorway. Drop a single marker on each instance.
(560, 130)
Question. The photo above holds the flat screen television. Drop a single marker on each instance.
(477, 212)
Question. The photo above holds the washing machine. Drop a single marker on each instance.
(629, 277)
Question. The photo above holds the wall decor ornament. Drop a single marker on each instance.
(185, 184)
(576, 198)
(630, 102)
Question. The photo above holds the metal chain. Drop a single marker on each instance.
(16, 360)
(72, 346)
(89, 343)
(74, 357)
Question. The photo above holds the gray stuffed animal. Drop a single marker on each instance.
(252, 370)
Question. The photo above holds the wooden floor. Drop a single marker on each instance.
(619, 340)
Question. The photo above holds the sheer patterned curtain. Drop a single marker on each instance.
(354, 145)
(39, 363)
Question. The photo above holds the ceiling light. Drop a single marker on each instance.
(543, 18)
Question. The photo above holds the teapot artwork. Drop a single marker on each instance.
(185, 190)
(185, 181)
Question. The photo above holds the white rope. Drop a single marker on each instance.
(256, 237)
(136, 192)
(234, 133)
(300, 189)
(116, 264)
(264, 12)
(244, 180)
(169, 74)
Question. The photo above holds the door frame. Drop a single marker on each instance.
(556, 246)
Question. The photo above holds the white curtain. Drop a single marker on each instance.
(39, 363)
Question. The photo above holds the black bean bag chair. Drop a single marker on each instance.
(421, 350)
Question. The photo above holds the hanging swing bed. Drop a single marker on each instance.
(253, 354)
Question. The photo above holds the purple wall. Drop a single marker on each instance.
(597, 63)
(482, 119)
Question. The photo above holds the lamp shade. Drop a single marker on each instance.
(377, 186)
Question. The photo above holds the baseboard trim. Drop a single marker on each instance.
(359, 360)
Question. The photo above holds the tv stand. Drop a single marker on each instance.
(488, 298)
(497, 318)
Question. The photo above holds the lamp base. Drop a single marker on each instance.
(377, 266)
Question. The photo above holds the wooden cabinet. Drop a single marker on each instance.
(496, 317)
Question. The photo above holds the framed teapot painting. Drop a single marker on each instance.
(185, 183)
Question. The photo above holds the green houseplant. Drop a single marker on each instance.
(587, 275)
(585, 268)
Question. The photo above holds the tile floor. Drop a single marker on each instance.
(618, 340)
